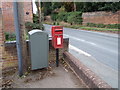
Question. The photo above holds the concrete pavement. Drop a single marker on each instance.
(54, 77)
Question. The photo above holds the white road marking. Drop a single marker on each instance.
(91, 43)
(82, 40)
(78, 50)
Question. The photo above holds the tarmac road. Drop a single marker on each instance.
(98, 51)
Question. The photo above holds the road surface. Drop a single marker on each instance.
(98, 51)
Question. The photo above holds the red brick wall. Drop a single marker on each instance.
(1, 37)
(1, 41)
(8, 17)
(28, 8)
(101, 17)
(10, 56)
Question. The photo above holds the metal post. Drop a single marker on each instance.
(17, 29)
(57, 57)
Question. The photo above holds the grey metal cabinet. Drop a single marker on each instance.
(39, 47)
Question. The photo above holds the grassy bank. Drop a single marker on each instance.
(85, 27)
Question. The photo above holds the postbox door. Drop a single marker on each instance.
(58, 39)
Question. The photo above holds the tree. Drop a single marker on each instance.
(38, 4)
(97, 6)
(74, 6)
(56, 5)
(110, 6)
(69, 6)
(47, 8)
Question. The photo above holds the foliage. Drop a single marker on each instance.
(70, 17)
(91, 24)
(110, 6)
(9, 36)
(69, 6)
(116, 26)
(62, 16)
(35, 25)
(62, 9)
(112, 26)
(35, 18)
(86, 28)
(54, 16)
(55, 23)
(30, 26)
(75, 18)
(100, 25)
(38, 26)
(46, 8)
(98, 29)
(56, 5)
(98, 6)
(49, 7)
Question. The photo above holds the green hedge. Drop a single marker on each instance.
(70, 17)
(100, 25)
(54, 16)
(9, 36)
(112, 26)
(91, 24)
(55, 23)
(62, 16)
(75, 18)
(36, 18)
(116, 26)
(30, 26)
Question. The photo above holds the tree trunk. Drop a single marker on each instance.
(38, 4)
(39, 9)
(74, 6)
(23, 36)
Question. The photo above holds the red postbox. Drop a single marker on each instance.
(57, 36)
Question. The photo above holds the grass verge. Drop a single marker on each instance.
(87, 28)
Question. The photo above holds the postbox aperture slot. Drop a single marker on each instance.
(58, 30)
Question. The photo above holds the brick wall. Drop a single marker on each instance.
(28, 11)
(8, 16)
(8, 19)
(1, 38)
(10, 59)
(1, 44)
(101, 17)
